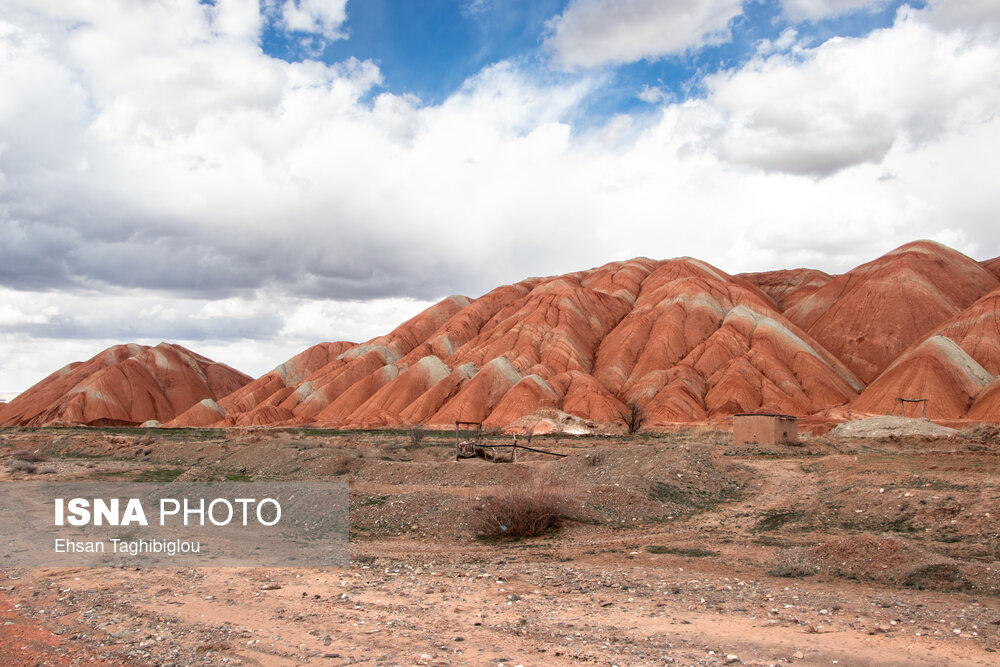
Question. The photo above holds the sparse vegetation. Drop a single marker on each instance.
(984, 434)
(159, 475)
(523, 509)
(693, 552)
(23, 460)
(22, 466)
(633, 416)
(938, 576)
(30, 457)
(372, 501)
(667, 493)
(416, 433)
(776, 519)
(792, 569)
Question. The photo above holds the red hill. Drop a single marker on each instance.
(993, 265)
(680, 338)
(789, 286)
(869, 315)
(122, 386)
(937, 369)
(950, 368)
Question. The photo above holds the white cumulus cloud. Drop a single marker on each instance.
(163, 178)
(969, 15)
(590, 33)
(815, 10)
(325, 17)
(847, 101)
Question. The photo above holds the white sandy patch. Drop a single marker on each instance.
(961, 359)
(503, 366)
(435, 368)
(212, 405)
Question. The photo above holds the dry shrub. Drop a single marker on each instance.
(416, 434)
(712, 435)
(523, 509)
(345, 462)
(22, 466)
(986, 434)
(633, 416)
(792, 567)
(938, 577)
(30, 457)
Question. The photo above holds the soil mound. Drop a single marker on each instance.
(888, 426)
(888, 560)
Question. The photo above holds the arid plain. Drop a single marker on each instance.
(673, 548)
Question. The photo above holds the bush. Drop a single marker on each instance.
(524, 509)
(22, 466)
(30, 457)
(690, 552)
(985, 434)
(792, 569)
(416, 433)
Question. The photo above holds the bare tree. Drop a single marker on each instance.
(416, 433)
(633, 415)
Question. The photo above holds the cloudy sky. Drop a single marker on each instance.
(250, 177)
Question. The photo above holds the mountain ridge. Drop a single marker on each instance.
(683, 339)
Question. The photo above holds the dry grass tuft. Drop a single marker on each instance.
(986, 434)
(22, 466)
(30, 457)
(523, 509)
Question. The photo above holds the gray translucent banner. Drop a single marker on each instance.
(176, 524)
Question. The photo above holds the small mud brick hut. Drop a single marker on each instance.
(765, 429)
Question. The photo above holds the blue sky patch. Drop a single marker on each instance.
(430, 48)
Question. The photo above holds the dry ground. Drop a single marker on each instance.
(681, 550)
